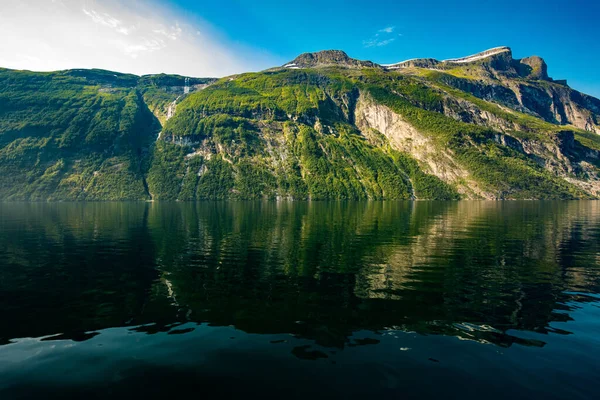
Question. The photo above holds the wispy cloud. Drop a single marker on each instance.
(149, 34)
(147, 46)
(106, 20)
(376, 42)
(388, 29)
(172, 32)
(130, 36)
(383, 37)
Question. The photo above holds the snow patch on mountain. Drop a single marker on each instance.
(479, 56)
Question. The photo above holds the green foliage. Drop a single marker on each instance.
(316, 167)
(162, 81)
(167, 171)
(588, 139)
(160, 91)
(217, 180)
(190, 180)
(63, 138)
(117, 179)
(254, 180)
(425, 186)
(264, 96)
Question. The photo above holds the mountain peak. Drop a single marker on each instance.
(534, 67)
(328, 58)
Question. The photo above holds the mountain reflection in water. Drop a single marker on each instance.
(332, 276)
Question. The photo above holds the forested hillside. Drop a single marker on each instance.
(80, 134)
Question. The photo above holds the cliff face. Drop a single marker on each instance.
(324, 126)
(328, 58)
(521, 84)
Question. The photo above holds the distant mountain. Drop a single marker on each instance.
(322, 126)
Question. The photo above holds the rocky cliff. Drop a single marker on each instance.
(328, 58)
(521, 84)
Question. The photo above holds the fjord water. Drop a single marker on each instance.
(294, 299)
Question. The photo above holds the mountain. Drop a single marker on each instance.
(322, 126)
(522, 85)
(81, 134)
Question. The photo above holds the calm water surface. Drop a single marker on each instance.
(299, 300)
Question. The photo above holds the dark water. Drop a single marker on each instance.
(300, 300)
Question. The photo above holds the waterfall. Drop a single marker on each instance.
(172, 108)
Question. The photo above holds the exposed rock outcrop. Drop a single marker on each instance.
(328, 58)
(534, 68)
(406, 138)
(415, 63)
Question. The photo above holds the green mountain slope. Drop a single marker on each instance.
(323, 126)
(327, 126)
(78, 135)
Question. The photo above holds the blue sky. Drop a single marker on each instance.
(565, 33)
(210, 38)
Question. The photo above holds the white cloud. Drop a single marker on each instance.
(381, 38)
(172, 33)
(377, 42)
(121, 35)
(104, 19)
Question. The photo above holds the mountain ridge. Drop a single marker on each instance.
(534, 92)
(323, 126)
(326, 58)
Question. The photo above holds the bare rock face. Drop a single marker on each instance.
(560, 104)
(415, 63)
(498, 60)
(534, 68)
(404, 137)
(565, 140)
(520, 84)
(328, 58)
